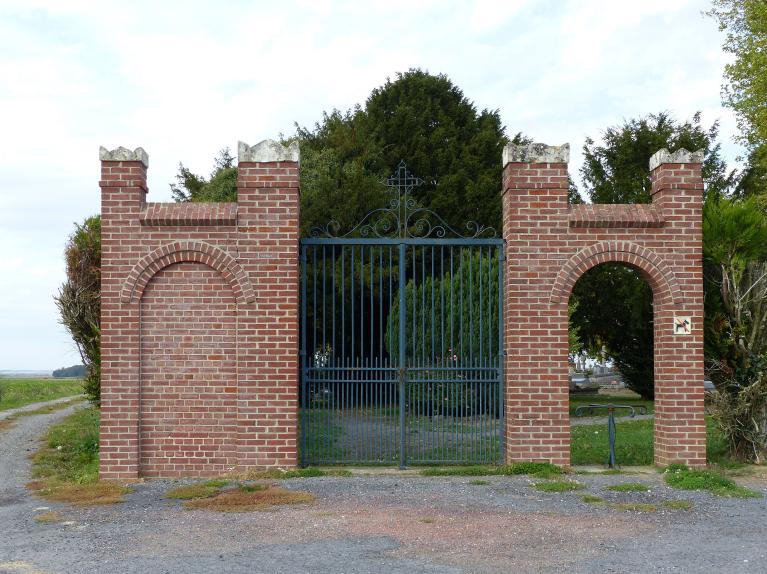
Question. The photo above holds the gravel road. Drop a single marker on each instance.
(382, 523)
(34, 406)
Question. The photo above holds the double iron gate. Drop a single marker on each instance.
(401, 341)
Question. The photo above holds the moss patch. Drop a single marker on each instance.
(192, 491)
(281, 474)
(538, 469)
(635, 507)
(591, 499)
(238, 500)
(678, 504)
(90, 494)
(49, 517)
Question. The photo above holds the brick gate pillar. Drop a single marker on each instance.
(550, 245)
(267, 244)
(123, 196)
(680, 429)
(535, 224)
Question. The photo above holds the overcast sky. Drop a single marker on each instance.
(185, 79)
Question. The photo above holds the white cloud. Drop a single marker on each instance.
(183, 79)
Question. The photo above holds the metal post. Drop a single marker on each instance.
(303, 421)
(611, 431)
(611, 436)
(402, 357)
(501, 350)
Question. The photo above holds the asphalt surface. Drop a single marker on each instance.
(380, 523)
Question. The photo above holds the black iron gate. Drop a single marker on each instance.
(401, 341)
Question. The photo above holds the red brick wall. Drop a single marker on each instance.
(242, 257)
(200, 314)
(549, 246)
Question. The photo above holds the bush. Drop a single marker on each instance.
(79, 300)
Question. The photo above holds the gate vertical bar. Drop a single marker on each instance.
(402, 359)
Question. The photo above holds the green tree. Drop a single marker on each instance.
(220, 187)
(617, 170)
(427, 121)
(79, 299)
(463, 306)
(615, 302)
(451, 325)
(420, 118)
(745, 90)
(614, 311)
(735, 251)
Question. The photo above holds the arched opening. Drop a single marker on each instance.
(611, 352)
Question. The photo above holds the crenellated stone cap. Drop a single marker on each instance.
(124, 154)
(679, 156)
(268, 150)
(536, 153)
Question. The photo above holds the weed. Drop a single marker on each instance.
(479, 482)
(428, 520)
(558, 485)
(678, 504)
(680, 477)
(591, 499)
(628, 487)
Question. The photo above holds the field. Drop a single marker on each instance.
(19, 392)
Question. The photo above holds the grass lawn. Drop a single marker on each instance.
(19, 392)
(633, 444)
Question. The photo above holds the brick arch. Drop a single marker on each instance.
(660, 276)
(187, 251)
